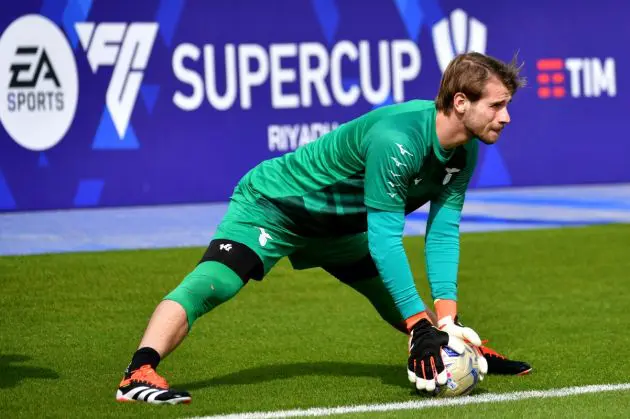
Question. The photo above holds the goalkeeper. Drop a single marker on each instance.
(339, 203)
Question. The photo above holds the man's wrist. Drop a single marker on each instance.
(410, 322)
(445, 309)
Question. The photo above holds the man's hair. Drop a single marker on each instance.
(468, 73)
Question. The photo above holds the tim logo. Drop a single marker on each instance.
(588, 77)
(127, 47)
(458, 35)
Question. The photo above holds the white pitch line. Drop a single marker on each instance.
(425, 404)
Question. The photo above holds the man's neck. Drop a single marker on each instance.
(451, 131)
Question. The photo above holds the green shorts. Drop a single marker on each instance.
(266, 233)
(254, 235)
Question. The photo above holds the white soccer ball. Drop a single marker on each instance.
(462, 370)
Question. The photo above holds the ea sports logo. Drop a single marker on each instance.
(39, 86)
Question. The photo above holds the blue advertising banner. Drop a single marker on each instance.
(116, 103)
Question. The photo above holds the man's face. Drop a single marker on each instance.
(486, 117)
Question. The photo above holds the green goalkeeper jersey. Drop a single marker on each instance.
(388, 159)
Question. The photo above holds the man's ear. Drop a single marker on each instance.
(460, 103)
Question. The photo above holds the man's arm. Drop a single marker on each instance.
(442, 238)
(442, 254)
(425, 367)
(385, 231)
(391, 160)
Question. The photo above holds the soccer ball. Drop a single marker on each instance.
(462, 370)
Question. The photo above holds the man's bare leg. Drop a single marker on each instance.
(167, 328)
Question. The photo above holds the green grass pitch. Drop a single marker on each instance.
(556, 298)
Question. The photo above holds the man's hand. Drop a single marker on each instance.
(448, 325)
(425, 367)
(454, 328)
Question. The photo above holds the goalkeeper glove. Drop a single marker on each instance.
(446, 311)
(425, 367)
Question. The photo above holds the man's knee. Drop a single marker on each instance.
(350, 273)
(363, 276)
(223, 270)
(206, 287)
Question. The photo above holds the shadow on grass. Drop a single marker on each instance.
(11, 373)
(388, 374)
